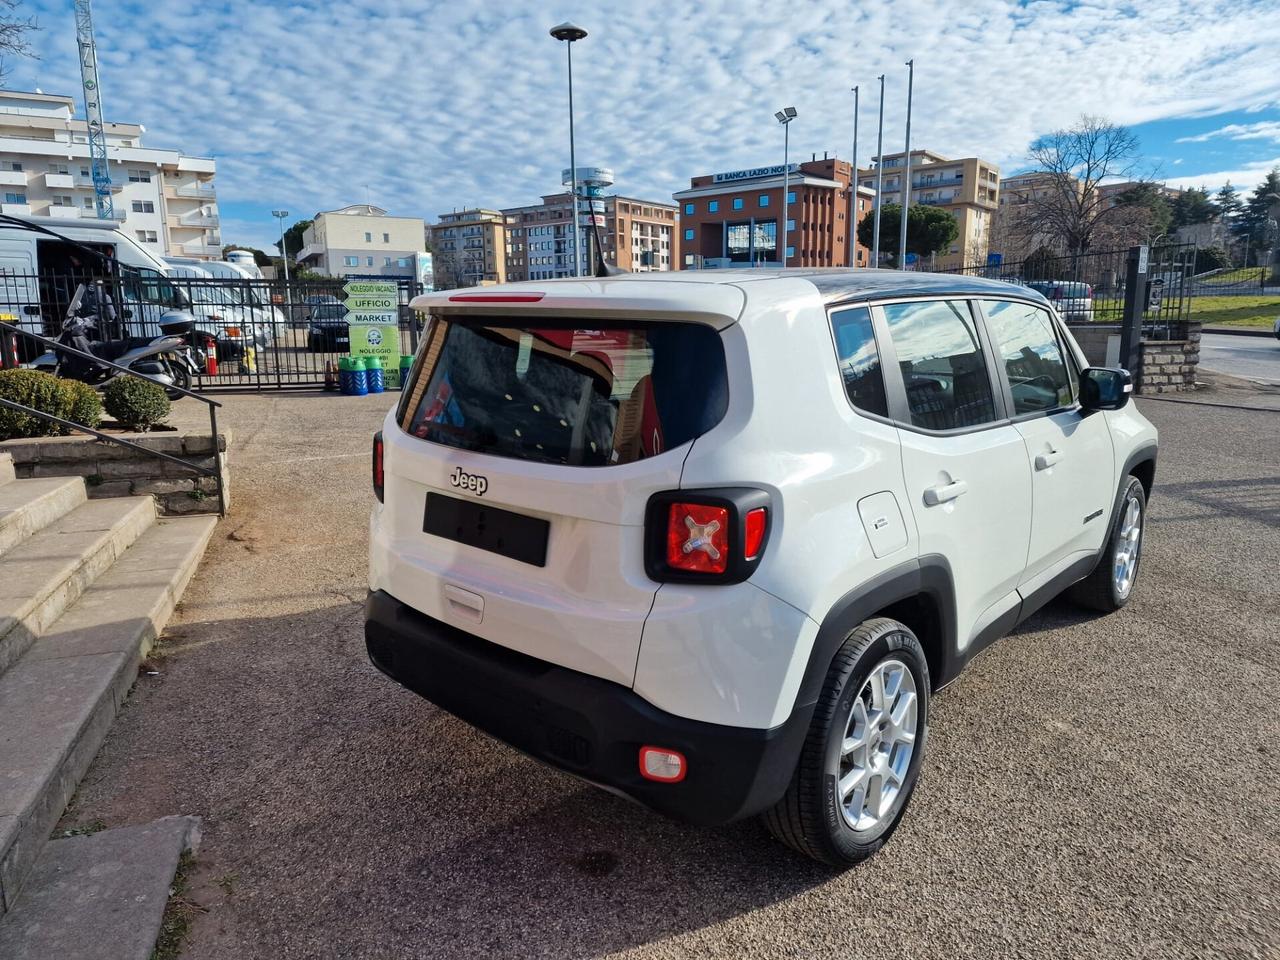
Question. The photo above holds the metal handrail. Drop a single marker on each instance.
(215, 472)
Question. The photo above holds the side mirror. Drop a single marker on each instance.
(1102, 388)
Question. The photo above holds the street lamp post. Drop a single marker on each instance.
(284, 254)
(875, 233)
(906, 173)
(853, 199)
(568, 32)
(784, 117)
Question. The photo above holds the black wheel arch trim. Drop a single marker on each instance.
(929, 575)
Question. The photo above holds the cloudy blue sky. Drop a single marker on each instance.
(427, 106)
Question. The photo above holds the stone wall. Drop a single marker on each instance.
(1168, 366)
(111, 470)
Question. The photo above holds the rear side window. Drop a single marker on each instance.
(1028, 345)
(860, 360)
(564, 393)
(943, 367)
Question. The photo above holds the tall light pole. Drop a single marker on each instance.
(875, 233)
(568, 32)
(853, 199)
(784, 117)
(284, 254)
(906, 174)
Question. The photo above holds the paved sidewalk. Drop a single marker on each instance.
(1093, 787)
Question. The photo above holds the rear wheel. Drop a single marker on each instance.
(861, 759)
(1110, 585)
(181, 378)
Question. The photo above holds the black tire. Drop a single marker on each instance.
(181, 378)
(810, 817)
(1099, 590)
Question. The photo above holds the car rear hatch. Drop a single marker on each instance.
(531, 433)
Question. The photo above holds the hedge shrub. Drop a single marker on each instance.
(135, 404)
(85, 404)
(39, 391)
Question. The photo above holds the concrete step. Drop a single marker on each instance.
(99, 897)
(6, 468)
(30, 505)
(62, 695)
(45, 573)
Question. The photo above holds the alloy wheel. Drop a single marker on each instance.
(878, 744)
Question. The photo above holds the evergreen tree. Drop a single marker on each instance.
(1228, 203)
(1257, 211)
(1193, 206)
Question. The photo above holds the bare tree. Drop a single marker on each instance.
(13, 35)
(1076, 162)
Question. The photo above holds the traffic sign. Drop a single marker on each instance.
(372, 288)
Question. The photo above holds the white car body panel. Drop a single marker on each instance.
(735, 654)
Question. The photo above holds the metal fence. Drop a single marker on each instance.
(257, 333)
(1090, 287)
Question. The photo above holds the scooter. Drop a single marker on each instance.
(167, 359)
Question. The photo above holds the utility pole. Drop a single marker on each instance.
(906, 175)
(570, 33)
(784, 117)
(875, 233)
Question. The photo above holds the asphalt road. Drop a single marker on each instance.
(1094, 787)
(1252, 358)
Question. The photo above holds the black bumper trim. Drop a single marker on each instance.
(582, 724)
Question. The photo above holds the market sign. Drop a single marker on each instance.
(755, 173)
(373, 319)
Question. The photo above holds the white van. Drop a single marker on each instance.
(39, 273)
(267, 320)
(713, 539)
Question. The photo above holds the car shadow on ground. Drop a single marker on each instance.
(335, 800)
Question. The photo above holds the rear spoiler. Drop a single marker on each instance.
(716, 304)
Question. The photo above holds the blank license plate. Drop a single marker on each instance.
(487, 528)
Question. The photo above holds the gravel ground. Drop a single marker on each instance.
(1094, 787)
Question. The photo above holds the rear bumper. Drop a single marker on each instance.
(587, 726)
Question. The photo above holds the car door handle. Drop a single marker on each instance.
(944, 492)
(1047, 459)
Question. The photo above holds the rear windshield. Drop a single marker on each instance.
(564, 393)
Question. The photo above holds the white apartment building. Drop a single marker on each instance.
(164, 199)
(362, 239)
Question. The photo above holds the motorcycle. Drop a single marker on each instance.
(168, 359)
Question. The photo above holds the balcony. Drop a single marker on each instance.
(13, 178)
(64, 212)
(59, 181)
(201, 248)
(195, 220)
(16, 209)
(196, 191)
(926, 184)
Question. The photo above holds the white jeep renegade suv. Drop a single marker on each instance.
(713, 539)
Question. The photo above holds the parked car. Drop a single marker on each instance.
(304, 309)
(1073, 299)
(327, 330)
(713, 541)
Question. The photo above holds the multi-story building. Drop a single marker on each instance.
(164, 199)
(968, 189)
(470, 248)
(731, 219)
(635, 235)
(1015, 233)
(362, 239)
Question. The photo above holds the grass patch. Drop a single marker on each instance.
(178, 913)
(1260, 311)
(1238, 275)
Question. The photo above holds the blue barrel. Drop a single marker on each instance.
(374, 375)
(353, 379)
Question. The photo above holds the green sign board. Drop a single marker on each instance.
(373, 312)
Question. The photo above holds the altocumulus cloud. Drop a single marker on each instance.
(434, 105)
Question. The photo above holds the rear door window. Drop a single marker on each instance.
(859, 360)
(943, 366)
(565, 392)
